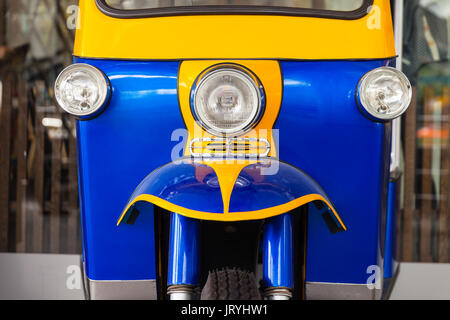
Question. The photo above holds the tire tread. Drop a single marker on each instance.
(230, 284)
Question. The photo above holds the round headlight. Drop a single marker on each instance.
(82, 90)
(385, 93)
(227, 100)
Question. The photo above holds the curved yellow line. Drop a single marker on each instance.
(231, 216)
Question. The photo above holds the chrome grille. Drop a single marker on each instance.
(229, 147)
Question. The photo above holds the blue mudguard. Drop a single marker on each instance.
(263, 189)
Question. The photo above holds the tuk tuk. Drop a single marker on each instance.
(234, 149)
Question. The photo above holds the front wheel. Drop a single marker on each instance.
(230, 284)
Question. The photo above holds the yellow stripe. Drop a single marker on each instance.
(269, 73)
(232, 216)
(234, 36)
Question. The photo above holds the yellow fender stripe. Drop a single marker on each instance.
(231, 216)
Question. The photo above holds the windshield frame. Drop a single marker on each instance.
(234, 10)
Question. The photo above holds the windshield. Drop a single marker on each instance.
(328, 5)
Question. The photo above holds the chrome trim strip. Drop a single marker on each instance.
(181, 292)
(277, 293)
(122, 289)
(340, 291)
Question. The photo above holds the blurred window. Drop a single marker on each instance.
(342, 5)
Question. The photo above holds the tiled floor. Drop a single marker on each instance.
(48, 277)
(422, 281)
(40, 277)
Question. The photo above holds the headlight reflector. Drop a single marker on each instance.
(385, 93)
(82, 90)
(227, 100)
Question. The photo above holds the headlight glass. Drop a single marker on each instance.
(81, 90)
(385, 93)
(227, 100)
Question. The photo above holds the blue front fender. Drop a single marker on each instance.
(263, 189)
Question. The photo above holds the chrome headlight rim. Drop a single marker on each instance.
(362, 101)
(259, 89)
(104, 89)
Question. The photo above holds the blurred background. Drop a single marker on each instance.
(424, 233)
(38, 173)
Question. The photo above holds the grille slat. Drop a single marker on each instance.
(229, 147)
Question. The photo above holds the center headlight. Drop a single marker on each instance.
(227, 100)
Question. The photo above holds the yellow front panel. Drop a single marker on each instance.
(234, 36)
(269, 73)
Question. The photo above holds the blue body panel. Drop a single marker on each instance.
(323, 132)
(278, 260)
(184, 249)
(116, 150)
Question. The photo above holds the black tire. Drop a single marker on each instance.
(230, 284)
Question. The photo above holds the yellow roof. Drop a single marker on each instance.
(234, 36)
